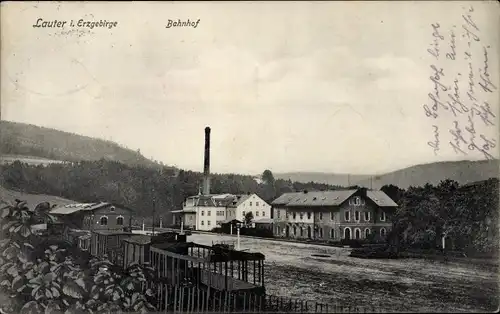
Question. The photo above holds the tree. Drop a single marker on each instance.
(267, 177)
(394, 192)
(248, 218)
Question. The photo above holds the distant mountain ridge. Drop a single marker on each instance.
(28, 141)
(461, 171)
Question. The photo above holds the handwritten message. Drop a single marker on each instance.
(463, 92)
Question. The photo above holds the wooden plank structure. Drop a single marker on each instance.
(210, 267)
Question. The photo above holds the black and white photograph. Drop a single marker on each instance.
(249, 156)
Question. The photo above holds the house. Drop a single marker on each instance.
(94, 216)
(333, 215)
(205, 212)
(243, 204)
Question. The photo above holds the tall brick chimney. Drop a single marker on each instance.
(206, 163)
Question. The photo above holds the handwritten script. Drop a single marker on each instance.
(462, 95)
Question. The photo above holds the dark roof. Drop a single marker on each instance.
(381, 199)
(139, 239)
(330, 198)
(73, 208)
(322, 198)
(238, 199)
(285, 198)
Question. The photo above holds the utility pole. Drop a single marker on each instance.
(154, 210)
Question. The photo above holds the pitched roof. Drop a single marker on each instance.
(330, 198)
(322, 198)
(238, 199)
(73, 208)
(285, 198)
(381, 199)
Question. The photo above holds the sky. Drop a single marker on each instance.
(298, 86)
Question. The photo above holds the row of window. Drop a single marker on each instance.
(347, 216)
(221, 213)
(256, 213)
(357, 201)
(103, 221)
(203, 222)
(347, 232)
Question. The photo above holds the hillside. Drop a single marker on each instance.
(461, 171)
(30, 141)
(32, 199)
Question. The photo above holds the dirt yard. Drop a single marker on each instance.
(408, 285)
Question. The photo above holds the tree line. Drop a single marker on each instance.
(466, 215)
(140, 188)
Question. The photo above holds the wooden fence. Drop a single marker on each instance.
(179, 299)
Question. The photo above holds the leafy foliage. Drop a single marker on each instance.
(464, 215)
(46, 278)
(248, 218)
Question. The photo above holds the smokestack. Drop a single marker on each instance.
(206, 163)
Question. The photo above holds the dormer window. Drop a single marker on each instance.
(112, 208)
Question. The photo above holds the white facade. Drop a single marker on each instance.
(208, 217)
(225, 207)
(253, 203)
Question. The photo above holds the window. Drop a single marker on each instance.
(357, 234)
(367, 233)
(263, 213)
(208, 212)
(332, 216)
(257, 213)
(202, 223)
(356, 215)
(347, 216)
(382, 232)
(277, 212)
(104, 221)
(119, 220)
(308, 215)
(382, 216)
(294, 215)
(243, 212)
(294, 230)
(320, 216)
(208, 222)
(203, 213)
(332, 233)
(301, 231)
(256, 203)
(356, 201)
(301, 216)
(250, 203)
(367, 216)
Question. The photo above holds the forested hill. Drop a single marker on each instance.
(19, 139)
(135, 186)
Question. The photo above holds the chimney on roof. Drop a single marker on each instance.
(206, 163)
(362, 191)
